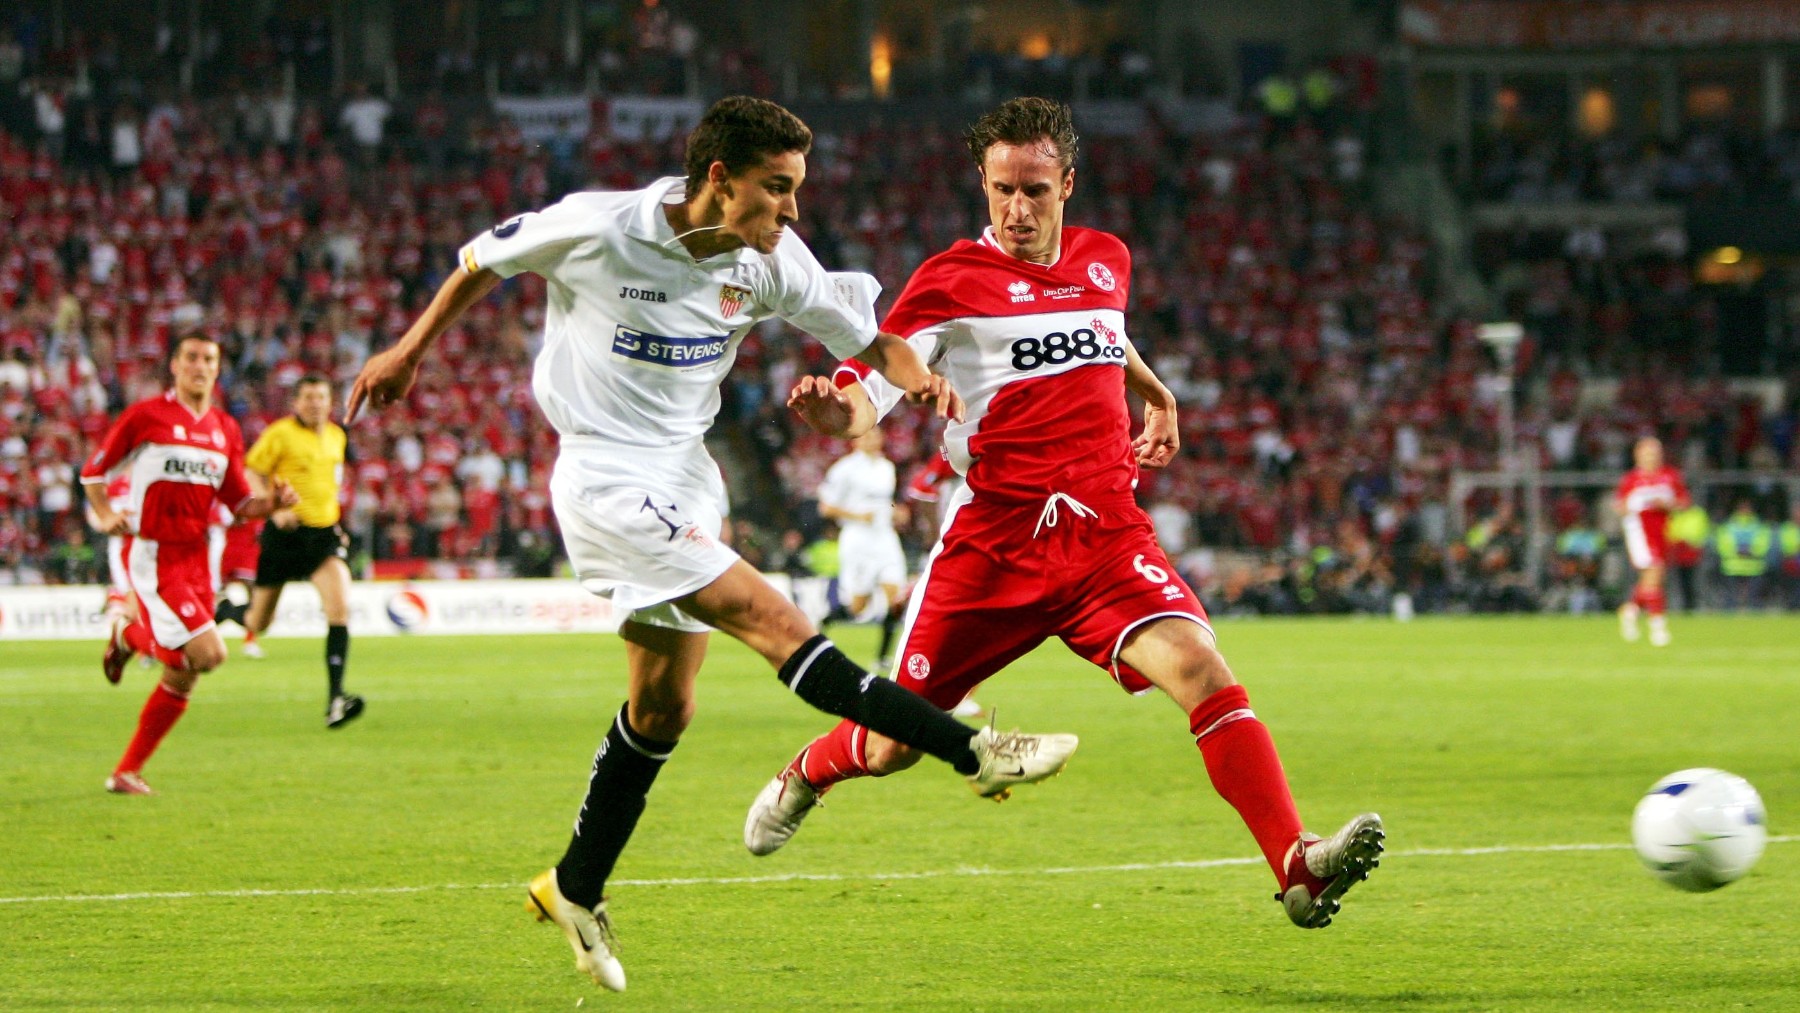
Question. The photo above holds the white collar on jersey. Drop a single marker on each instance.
(989, 238)
(650, 224)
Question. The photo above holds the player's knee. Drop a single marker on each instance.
(663, 720)
(885, 756)
(205, 657)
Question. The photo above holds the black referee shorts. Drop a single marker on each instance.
(295, 553)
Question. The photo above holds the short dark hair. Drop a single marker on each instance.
(309, 379)
(176, 342)
(741, 131)
(1021, 121)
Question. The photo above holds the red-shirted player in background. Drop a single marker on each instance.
(1046, 539)
(1646, 496)
(183, 455)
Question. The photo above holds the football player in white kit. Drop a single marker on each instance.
(858, 493)
(650, 293)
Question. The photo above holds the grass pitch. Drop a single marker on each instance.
(382, 866)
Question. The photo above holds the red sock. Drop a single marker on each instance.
(1240, 759)
(835, 756)
(139, 638)
(1656, 602)
(160, 713)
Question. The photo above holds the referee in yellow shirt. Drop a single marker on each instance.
(306, 450)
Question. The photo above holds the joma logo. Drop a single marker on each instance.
(644, 294)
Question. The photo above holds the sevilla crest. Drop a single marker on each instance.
(731, 299)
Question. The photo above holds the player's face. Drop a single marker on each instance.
(1026, 187)
(1648, 455)
(312, 403)
(196, 367)
(759, 202)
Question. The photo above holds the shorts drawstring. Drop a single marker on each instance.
(1047, 519)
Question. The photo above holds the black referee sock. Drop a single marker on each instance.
(337, 651)
(226, 610)
(821, 675)
(889, 624)
(625, 767)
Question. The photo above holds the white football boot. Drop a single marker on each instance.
(1320, 871)
(1659, 631)
(590, 933)
(777, 812)
(1628, 622)
(1012, 758)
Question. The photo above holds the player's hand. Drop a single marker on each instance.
(821, 405)
(283, 494)
(113, 522)
(1157, 444)
(942, 397)
(386, 378)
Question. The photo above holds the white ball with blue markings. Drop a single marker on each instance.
(1700, 829)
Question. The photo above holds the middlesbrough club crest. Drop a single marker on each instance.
(731, 299)
(1101, 276)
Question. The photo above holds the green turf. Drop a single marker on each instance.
(418, 823)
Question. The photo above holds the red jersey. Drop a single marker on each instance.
(1038, 353)
(179, 464)
(1651, 495)
(1647, 497)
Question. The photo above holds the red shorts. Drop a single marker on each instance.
(1007, 578)
(241, 551)
(174, 586)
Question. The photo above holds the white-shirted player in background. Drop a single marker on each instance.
(650, 293)
(858, 493)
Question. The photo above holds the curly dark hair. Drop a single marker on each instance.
(1021, 121)
(741, 131)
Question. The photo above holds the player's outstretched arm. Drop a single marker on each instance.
(389, 376)
(830, 410)
(1161, 438)
(900, 365)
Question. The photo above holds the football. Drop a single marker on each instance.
(1699, 829)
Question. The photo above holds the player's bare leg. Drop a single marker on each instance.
(262, 608)
(1179, 656)
(332, 579)
(165, 706)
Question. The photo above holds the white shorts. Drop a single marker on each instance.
(641, 526)
(869, 560)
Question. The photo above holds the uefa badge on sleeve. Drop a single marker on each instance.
(731, 300)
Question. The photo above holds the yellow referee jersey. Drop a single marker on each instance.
(313, 463)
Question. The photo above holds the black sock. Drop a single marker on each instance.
(821, 675)
(337, 651)
(625, 766)
(226, 610)
(889, 624)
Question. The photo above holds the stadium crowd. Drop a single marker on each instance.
(1326, 396)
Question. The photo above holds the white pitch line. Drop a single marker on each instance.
(814, 877)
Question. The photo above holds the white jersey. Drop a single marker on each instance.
(861, 484)
(639, 335)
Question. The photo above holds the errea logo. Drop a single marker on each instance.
(1021, 291)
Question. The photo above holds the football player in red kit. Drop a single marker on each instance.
(1046, 538)
(183, 455)
(1646, 496)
